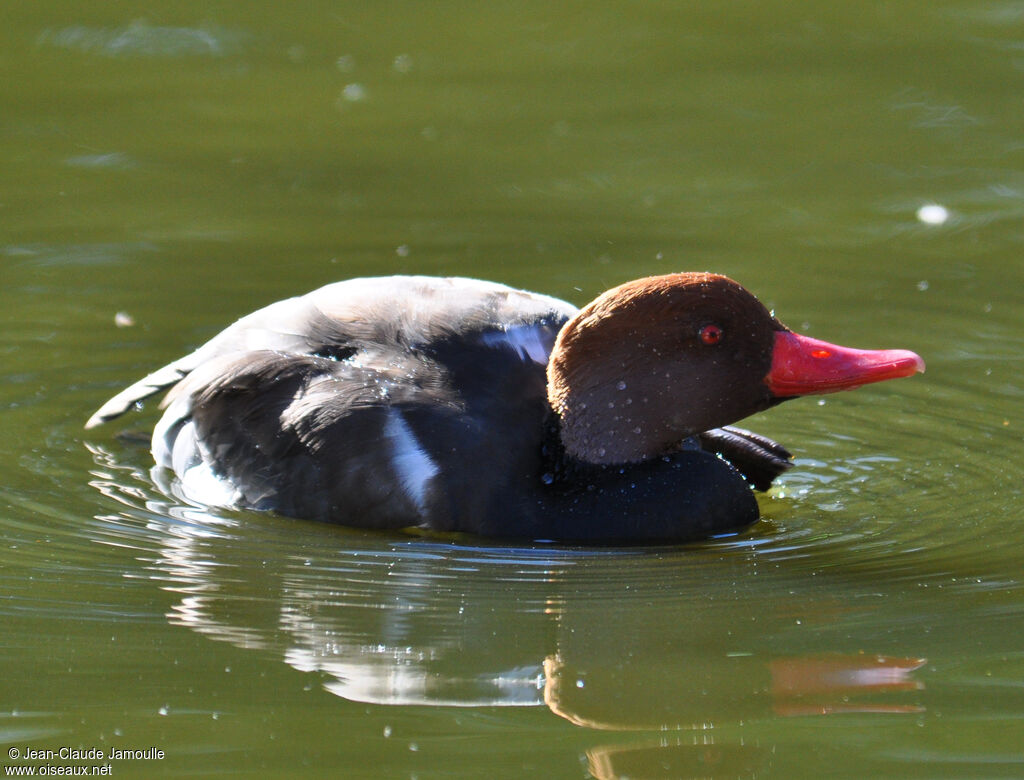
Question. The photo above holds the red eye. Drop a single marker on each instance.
(710, 334)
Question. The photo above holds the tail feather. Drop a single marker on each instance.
(159, 380)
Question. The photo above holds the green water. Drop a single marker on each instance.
(185, 164)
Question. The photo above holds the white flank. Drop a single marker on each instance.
(161, 448)
(200, 484)
(411, 463)
(190, 461)
(530, 341)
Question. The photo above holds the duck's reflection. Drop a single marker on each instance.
(627, 641)
(699, 758)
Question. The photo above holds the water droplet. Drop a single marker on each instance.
(353, 93)
(387, 732)
(547, 477)
(164, 710)
(922, 285)
(933, 214)
(601, 452)
(621, 385)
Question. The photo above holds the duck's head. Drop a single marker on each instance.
(656, 360)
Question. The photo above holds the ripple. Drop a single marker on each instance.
(17, 727)
(928, 112)
(45, 255)
(141, 39)
(116, 161)
(890, 512)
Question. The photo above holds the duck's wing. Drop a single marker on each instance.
(383, 437)
(289, 432)
(333, 321)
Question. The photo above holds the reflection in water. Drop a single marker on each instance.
(701, 758)
(698, 692)
(593, 635)
(825, 684)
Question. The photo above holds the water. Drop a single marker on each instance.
(172, 169)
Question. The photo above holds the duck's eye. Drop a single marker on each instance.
(710, 334)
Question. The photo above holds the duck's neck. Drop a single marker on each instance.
(560, 464)
(616, 418)
(609, 431)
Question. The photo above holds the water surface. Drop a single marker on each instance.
(167, 170)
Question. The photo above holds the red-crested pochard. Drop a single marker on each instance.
(462, 405)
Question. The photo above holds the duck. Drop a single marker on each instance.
(456, 405)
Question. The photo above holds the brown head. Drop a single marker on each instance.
(656, 360)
